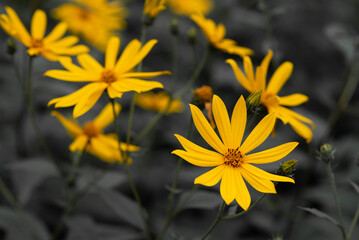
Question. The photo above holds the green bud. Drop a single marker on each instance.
(286, 168)
(192, 35)
(174, 26)
(325, 153)
(10, 46)
(253, 102)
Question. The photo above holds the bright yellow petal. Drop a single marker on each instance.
(260, 184)
(64, 42)
(113, 93)
(211, 177)
(271, 155)
(66, 62)
(89, 63)
(106, 116)
(238, 121)
(264, 68)
(240, 76)
(144, 74)
(199, 159)
(71, 126)
(280, 77)
(58, 31)
(19, 26)
(70, 50)
(301, 129)
(138, 85)
(248, 69)
(142, 53)
(111, 52)
(221, 117)
(38, 24)
(126, 57)
(293, 99)
(79, 143)
(206, 131)
(243, 197)
(259, 133)
(263, 174)
(72, 77)
(103, 151)
(228, 187)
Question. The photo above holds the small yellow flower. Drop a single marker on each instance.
(154, 7)
(188, 7)
(269, 98)
(96, 20)
(215, 35)
(116, 77)
(158, 102)
(233, 159)
(91, 136)
(51, 47)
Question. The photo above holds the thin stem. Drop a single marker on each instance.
(174, 61)
(17, 73)
(143, 39)
(75, 164)
(184, 201)
(8, 195)
(129, 123)
(352, 226)
(69, 206)
(216, 221)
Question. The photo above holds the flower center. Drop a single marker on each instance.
(108, 76)
(84, 15)
(91, 130)
(233, 157)
(36, 43)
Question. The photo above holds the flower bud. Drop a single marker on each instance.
(10, 46)
(192, 35)
(326, 153)
(202, 95)
(253, 101)
(174, 26)
(286, 168)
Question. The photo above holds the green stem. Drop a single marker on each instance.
(17, 73)
(75, 164)
(352, 226)
(129, 123)
(216, 221)
(185, 200)
(174, 62)
(143, 39)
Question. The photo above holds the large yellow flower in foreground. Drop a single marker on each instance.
(91, 136)
(215, 35)
(96, 20)
(188, 7)
(51, 46)
(269, 98)
(233, 160)
(158, 102)
(116, 77)
(153, 7)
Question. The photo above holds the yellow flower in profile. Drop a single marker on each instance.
(233, 160)
(269, 98)
(188, 7)
(96, 21)
(215, 35)
(158, 102)
(116, 77)
(90, 136)
(51, 47)
(154, 7)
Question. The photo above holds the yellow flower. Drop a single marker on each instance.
(233, 159)
(269, 98)
(154, 7)
(116, 77)
(188, 7)
(215, 35)
(91, 136)
(158, 102)
(51, 46)
(96, 20)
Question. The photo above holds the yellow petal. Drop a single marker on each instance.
(71, 77)
(243, 197)
(66, 62)
(144, 74)
(228, 187)
(280, 77)
(38, 24)
(69, 50)
(71, 126)
(111, 52)
(301, 129)
(89, 63)
(292, 114)
(259, 133)
(126, 57)
(238, 121)
(220, 114)
(271, 155)
(79, 143)
(138, 85)
(199, 159)
(106, 116)
(19, 26)
(240, 76)
(142, 53)
(103, 151)
(58, 31)
(113, 93)
(264, 67)
(260, 184)
(211, 177)
(248, 69)
(263, 174)
(293, 99)
(64, 42)
(206, 131)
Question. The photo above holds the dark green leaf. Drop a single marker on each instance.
(320, 214)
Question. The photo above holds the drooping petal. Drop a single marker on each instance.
(293, 99)
(206, 131)
(133, 84)
(19, 26)
(243, 197)
(290, 113)
(280, 77)
(71, 126)
(89, 63)
(301, 129)
(38, 24)
(144, 74)
(199, 159)
(238, 121)
(111, 52)
(58, 31)
(271, 155)
(240, 76)
(260, 184)
(103, 151)
(106, 116)
(79, 143)
(263, 174)
(259, 133)
(228, 187)
(211, 177)
(221, 117)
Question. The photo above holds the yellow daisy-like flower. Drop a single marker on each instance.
(188, 7)
(233, 160)
(91, 136)
(96, 20)
(51, 46)
(158, 102)
(215, 35)
(154, 7)
(269, 98)
(116, 77)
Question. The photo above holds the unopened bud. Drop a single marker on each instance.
(192, 35)
(253, 101)
(202, 95)
(174, 26)
(326, 153)
(10, 46)
(148, 20)
(286, 168)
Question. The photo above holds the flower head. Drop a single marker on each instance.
(154, 7)
(85, 18)
(269, 98)
(233, 159)
(90, 137)
(116, 77)
(51, 47)
(158, 102)
(215, 35)
(188, 7)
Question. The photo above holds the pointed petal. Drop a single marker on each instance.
(271, 155)
(133, 84)
(79, 143)
(280, 77)
(248, 69)
(260, 184)
(66, 62)
(111, 52)
(106, 116)
(263, 174)
(89, 63)
(259, 133)
(38, 24)
(64, 42)
(206, 131)
(71, 77)
(301, 129)
(240, 76)
(142, 53)
(144, 74)
(220, 114)
(126, 57)
(19, 26)
(71, 126)
(293, 99)
(211, 177)
(264, 67)
(292, 114)
(58, 31)
(238, 121)
(199, 159)
(243, 197)
(228, 187)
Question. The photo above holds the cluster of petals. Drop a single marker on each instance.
(188, 7)
(269, 98)
(52, 46)
(153, 7)
(232, 159)
(116, 77)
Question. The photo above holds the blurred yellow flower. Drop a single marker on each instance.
(51, 47)
(158, 102)
(188, 7)
(96, 20)
(116, 77)
(154, 7)
(231, 159)
(269, 98)
(215, 35)
(90, 136)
